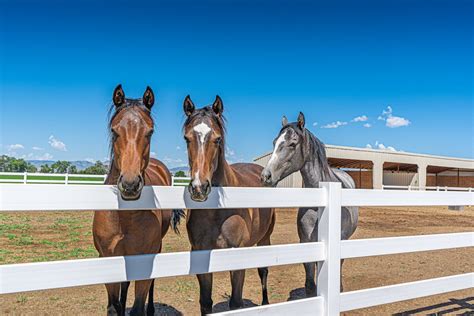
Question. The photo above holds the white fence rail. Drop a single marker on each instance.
(328, 251)
(67, 178)
(429, 188)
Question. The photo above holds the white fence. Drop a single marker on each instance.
(328, 251)
(58, 178)
(428, 188)
(66, 178)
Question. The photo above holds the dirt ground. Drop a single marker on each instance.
(59, 236)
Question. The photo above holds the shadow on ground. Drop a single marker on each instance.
(162, 310)
(463, 306)
(224, 306)
(297, 294)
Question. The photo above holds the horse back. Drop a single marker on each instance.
(247, 174)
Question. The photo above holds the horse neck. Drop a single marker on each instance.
(224, 175)
(311, 172)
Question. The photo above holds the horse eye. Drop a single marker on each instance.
(186, 140)
(114, 135)
(292, 145)
(218, 140)
(150, 133)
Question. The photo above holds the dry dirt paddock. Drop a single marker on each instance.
(59, 236)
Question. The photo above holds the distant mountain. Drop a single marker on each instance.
(181, 168)
(80, 164)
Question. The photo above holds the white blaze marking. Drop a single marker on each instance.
(202, 129)
(280, 140)
(196, 181)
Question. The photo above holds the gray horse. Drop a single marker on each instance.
(297, 149)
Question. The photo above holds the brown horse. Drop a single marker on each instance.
(123, 233)
(204, 133)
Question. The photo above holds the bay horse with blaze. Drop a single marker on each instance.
(124, 233)
(204, 132)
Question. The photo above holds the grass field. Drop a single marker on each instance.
(31, 178)
(46, 236)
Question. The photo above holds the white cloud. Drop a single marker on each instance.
(396, 121)
(367, 125)
(315, 124)
(392, 121)
(229, 152)
(91, 160)
(14, 147)
(37, 148)
(334, 124)
(57, 144)
(361, 118)
(380, 146)
(178, 148)
(153, 154)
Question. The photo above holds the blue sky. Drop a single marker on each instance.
(333, 60)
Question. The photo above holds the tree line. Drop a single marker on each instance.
(11, 164)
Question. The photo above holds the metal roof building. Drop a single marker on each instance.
(373, 168)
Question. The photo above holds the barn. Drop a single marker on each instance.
(386, 169)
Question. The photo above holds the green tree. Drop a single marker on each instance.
(72, 169)
(45, 169)
(60, 166)
(97, 168)
(11, 164)
(180, 173)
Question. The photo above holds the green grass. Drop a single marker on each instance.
(31, 178)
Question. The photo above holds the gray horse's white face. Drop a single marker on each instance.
(288, 153)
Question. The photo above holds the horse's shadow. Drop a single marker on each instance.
(162, 310)
(224, 306)
(297, 294)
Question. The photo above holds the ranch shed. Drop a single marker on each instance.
(385, 169)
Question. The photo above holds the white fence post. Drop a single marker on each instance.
(66, 178)
(172, 181)
(25, 177)
(329, 232)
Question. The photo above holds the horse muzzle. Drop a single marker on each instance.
(199, 192)
(130, 189)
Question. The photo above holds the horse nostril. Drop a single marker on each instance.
(206, 187)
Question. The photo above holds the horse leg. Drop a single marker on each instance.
(123, 296)
(150, 309)
(307, 223)
(263, 273)
(205, 292)
(310, 284)
(141, 291)
(237, 279)
(113, 306)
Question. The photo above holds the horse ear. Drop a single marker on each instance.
(301, 120)
(188, 106)
(218, 106)
(119, 96)
(148, 98)
(284, 121)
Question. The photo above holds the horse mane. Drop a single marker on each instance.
(129, 104)
(319, 149)
(316, 147)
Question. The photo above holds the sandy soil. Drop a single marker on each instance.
(181, 295)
